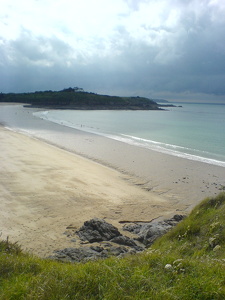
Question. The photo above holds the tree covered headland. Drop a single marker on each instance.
(77, 98)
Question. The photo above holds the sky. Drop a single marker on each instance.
(170, 49)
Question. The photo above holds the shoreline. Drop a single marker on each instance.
(146, 166)
(135, 141)
(114, 181)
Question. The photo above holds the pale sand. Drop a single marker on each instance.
(44, 189)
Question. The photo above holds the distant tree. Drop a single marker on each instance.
(68, 90)
(77, 89)
(72, 90)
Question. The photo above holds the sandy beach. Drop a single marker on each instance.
(45, 186)
(44, 190)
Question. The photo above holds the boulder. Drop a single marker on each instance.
(149, 231)
(78, 254)
(175, 219)
(134, 227)
(89, 253)
(97, 230)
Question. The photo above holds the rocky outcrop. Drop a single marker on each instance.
(124, 240)
(97, 230)
(99, 239)
(90, 253)
(148, 232)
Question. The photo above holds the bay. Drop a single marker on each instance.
(194, 131)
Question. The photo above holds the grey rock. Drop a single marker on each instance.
(97, 230)
(150, 232)
(174, 220)
(178, 218)
(116, 251)
(97, 248)
(78, 254)
(134, 228)
(87, 253)
(124, 240)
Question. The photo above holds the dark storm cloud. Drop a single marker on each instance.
(183, 55)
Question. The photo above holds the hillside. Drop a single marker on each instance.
(74, 98)
(186, 263)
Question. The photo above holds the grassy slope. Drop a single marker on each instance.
(193, 253)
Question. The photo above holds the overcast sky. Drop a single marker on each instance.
(172, 49)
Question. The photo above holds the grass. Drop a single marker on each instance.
(186, 263)
(201, 234)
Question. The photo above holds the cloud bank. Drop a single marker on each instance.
(154, 48)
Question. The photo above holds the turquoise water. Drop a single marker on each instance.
(194, 131)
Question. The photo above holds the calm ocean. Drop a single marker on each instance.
(194, 131)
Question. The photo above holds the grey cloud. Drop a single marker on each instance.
(189, 59)
(29, 49)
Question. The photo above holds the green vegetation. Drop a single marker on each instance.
(186, 263)
(76, 98)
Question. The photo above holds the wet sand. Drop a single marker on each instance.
(44, 188)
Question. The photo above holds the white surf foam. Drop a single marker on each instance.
(175, 150)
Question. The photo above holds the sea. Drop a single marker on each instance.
(193, 131)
